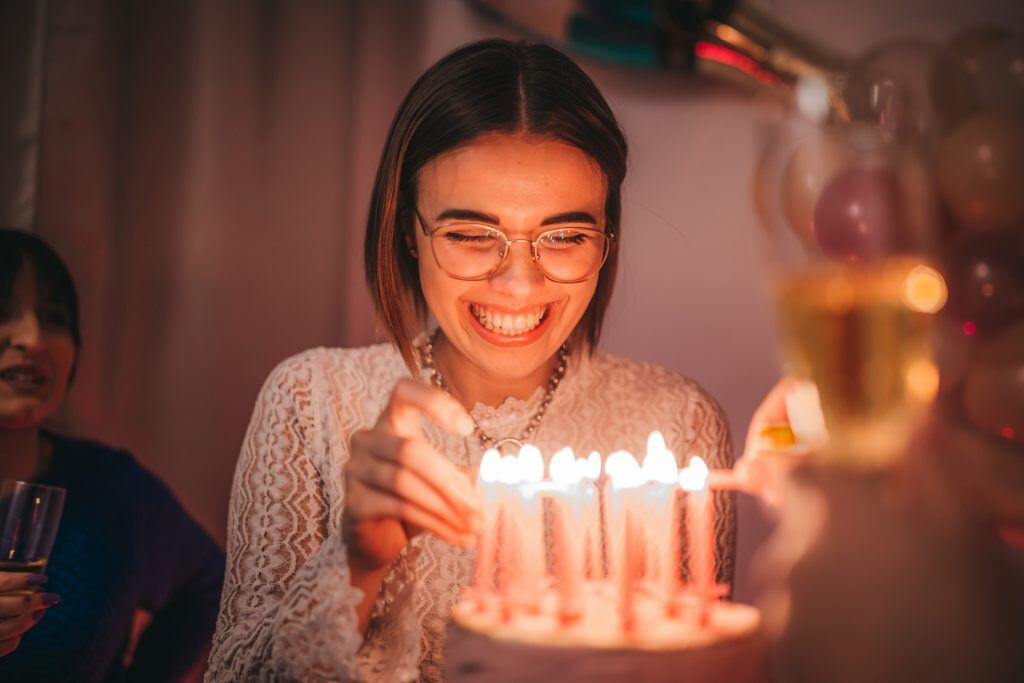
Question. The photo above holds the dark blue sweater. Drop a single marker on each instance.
(124, 543)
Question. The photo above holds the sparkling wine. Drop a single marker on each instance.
(863, 334)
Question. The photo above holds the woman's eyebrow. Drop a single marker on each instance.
(570, 217)
(467, 215)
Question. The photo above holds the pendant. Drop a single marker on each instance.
(500, 443)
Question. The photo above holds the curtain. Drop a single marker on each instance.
(205, 169)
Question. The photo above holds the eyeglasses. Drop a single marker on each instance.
(474, 251)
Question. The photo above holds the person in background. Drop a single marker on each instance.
(124, 545)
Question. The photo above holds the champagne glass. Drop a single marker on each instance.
(29, 517)
(850, 216)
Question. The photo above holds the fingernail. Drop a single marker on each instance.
(50, 599)
(36, 579)
(466, 426)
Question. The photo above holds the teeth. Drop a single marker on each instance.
(503, 323)
(21, 376)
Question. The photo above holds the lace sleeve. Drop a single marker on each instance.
(707, 435)
(288, 608)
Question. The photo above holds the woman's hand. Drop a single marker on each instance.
(396, 485)
(791, 403)
(20, 607)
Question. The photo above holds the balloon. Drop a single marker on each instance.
(953, 352)
(1000, 79)
(890, 86)
(814, 162)
(985, 277)
(954, 85)
(858, 214)
(981, 170)
(994, 388)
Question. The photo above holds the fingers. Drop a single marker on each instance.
(771, 410)
(389, 478)
(15, 605)
(20, 581)
(368, 503)
(411, 399)
(423, 461)
(11, 628)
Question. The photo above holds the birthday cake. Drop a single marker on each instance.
(579, 576)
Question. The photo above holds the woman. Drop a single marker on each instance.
(124, 543)
(496, 208)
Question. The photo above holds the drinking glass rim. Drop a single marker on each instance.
(49, 487)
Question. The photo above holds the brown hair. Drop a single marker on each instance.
(490, 86)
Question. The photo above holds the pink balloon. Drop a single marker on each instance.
(985, 278)
(981, 170)
(813, 164)
(858, 215)
(994, 388)
(954, 78)
(890, 86)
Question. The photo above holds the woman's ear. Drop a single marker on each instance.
(410, 242)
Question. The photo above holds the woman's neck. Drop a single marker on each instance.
(24, 454)
(469, 385)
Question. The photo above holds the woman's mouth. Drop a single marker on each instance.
(24, 377)
(510, 328)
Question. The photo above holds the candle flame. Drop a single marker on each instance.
(694, 477)
(530, 464)
(659, 463)
(592, 466)
(490, 466)
(623, 470)
(563, 469)
(508, 470)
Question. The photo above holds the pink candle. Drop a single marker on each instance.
(487, 482)
(626, 478)
(567, 509)
(701, 536)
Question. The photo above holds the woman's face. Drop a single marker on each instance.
(523, 185)
(36, 355)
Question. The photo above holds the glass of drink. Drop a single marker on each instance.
(850, 214)
(29, 517)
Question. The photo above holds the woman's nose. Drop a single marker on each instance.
(24, 332)
(521, 275)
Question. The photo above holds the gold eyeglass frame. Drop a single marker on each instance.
(609, 237)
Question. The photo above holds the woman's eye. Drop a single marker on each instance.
(463, 237)
(566, 238)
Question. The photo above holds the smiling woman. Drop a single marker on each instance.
(124, 545)
(495, 211)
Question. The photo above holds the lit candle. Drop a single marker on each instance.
(490, 492)
(626, 477)
(700, 526)
(567, 510)
(591, 472)
(510, 539)
(662, 559)
(532, 565)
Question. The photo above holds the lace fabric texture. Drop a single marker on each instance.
(288, 608)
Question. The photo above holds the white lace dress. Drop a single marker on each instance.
(288, 609)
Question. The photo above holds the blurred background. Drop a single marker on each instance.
(205, 168)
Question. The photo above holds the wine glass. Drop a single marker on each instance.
(850, 216)
(29, 517)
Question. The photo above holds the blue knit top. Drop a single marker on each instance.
(124, 543)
